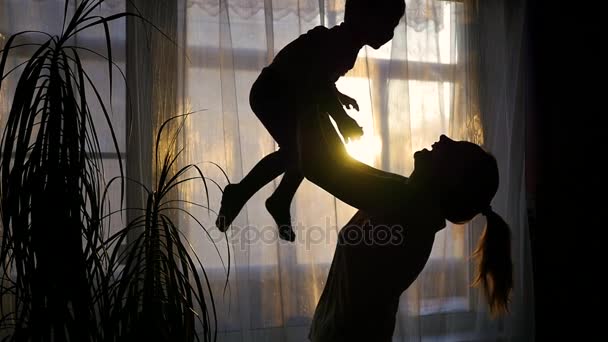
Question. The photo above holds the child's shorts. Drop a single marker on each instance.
(278, 105)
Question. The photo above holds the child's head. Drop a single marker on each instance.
(375, 19)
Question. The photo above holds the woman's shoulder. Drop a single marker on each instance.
(393, 227)
(319, 29)
(315, 33)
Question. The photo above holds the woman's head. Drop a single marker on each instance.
(375, 20)
(465, 175)
(466, 179)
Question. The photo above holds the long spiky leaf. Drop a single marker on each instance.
(200, 224)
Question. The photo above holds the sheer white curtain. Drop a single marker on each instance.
(423, 83)
(452, 67)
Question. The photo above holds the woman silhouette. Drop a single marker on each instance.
(385, 246)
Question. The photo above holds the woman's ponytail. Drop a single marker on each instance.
(495, 268)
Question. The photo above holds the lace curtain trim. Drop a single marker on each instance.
(419, 13)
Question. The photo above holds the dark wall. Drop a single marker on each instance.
(564, 165)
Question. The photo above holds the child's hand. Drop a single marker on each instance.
(348, 101)
(349, 129)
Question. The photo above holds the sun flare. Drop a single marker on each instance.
(365, 149)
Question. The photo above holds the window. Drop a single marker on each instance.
(213, 47)
(47, 16)
(426, 69)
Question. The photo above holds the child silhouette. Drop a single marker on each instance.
(299, 81)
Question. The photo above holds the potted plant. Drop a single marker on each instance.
(61, 277)
(158, 287)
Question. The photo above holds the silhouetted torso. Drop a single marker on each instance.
(369, 272)
(320, 56)
(300, 79)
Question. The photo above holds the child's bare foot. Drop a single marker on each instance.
(233, 201)
(280, 213)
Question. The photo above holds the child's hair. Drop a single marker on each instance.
(355, 9)
(495, 267)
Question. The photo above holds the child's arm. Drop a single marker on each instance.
(347, 101)
(348, 126)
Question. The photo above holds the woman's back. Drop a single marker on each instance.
(374, 262)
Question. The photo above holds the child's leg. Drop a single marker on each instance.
(236, 195)
(267, 169)
(279, 203)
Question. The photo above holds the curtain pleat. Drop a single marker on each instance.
(453, 67)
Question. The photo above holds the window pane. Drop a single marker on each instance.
(97, 69)
(221, 89)
(48, 16)
(434, 41)
(20, 15)
(116, 221)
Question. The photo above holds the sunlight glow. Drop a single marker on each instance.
(365, 149)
